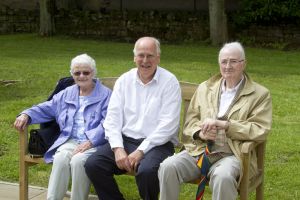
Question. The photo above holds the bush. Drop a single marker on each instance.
(267, 12)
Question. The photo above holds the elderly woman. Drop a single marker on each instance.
(225, 111)
(80, 111)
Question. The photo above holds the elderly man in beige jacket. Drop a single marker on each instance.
(226, 110)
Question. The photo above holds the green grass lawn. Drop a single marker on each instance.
(39, 62)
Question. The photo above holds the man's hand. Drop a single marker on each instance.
(122, 160)
(209, 128)
(208, 135)
(83, 147)
(21, 122)
(210, 124)
(135, 158)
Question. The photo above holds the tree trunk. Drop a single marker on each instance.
(47, 27)
(217, 22)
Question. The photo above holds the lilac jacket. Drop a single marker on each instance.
(63, 107)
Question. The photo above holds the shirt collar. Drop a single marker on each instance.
(154, 79)
(233, 90)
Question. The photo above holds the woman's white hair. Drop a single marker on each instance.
(86, 60)
(233, 46)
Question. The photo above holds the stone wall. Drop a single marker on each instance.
(18, 20)
(170, 26)
(286, 37)
(96, 5)
(280, 33)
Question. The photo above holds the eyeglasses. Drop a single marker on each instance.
(85, 73)
(231, 62)
(143, 56)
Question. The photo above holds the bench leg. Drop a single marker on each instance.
(244, 195)
(23, 181)
(23, 166)
(260, 192)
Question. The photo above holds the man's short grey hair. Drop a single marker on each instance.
(156, 41)
(233, 46)
(84, 59)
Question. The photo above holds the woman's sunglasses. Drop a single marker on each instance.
(85, 73)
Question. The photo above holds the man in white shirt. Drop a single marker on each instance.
(141, 125)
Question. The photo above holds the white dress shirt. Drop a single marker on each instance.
(227, 96)
(150, 111)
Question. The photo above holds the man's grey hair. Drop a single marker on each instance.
(156, 41)
(84, 59)
(233, 46)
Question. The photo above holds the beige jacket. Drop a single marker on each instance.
(250, 117)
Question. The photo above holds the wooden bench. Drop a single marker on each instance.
(188, 90)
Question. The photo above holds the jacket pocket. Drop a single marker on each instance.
(93, 119)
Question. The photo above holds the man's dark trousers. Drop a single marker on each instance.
(101, 166)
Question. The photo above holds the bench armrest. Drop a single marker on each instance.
(247, 147)
(23, 142)
(248, 185)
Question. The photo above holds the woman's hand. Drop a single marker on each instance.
(21, 122)
(83, 147)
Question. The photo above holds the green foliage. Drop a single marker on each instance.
(267, 12)
(39, 62)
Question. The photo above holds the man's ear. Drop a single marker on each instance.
(158, 59)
